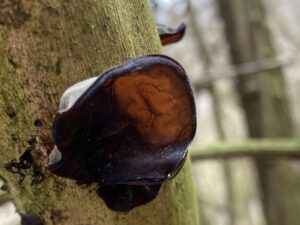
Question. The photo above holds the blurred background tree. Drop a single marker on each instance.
(242, 58)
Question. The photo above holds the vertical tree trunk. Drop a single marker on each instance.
(265, 103)
(212, 88)
(46, 46)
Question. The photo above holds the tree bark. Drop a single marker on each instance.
(265, 103)
(46, 46)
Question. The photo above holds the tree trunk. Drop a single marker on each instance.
(265, 103)
(204, 54)
(46, 46)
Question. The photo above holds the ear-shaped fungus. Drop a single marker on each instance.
(169, 35)
(128, 130)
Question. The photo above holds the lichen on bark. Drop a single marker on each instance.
(59, 44)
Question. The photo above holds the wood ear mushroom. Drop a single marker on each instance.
(169, 35)
(127, 130)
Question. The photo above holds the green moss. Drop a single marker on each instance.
(12, 107)
(13, 14)
(76, 40)
(15, 131)
(183, 194)
(268, 148)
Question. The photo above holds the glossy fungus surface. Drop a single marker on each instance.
(128, 130)
(170, 35)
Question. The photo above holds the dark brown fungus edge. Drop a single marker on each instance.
(127, 129)
(169, 35)
(30, 219)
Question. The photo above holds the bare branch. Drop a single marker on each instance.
(270, 148)
(245, 69)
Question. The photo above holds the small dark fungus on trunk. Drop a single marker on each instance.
(127, 129)
(38, 123)
(170, 35)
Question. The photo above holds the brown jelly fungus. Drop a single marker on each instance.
(30, 219)
(127, 129)
(170, 35)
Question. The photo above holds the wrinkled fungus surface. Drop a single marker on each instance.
(170, 35)
(128, 130)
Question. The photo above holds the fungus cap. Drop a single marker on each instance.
(128, 128)
(170, 35)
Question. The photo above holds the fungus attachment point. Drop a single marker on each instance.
(30, 219)
(122, 197)
(169, 35)
(128, 130)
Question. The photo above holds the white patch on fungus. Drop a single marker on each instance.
(8, 214)
(55, 156)
(73, 93)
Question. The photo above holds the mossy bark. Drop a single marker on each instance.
(265, 103)
(256, 148)
(46, 46)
